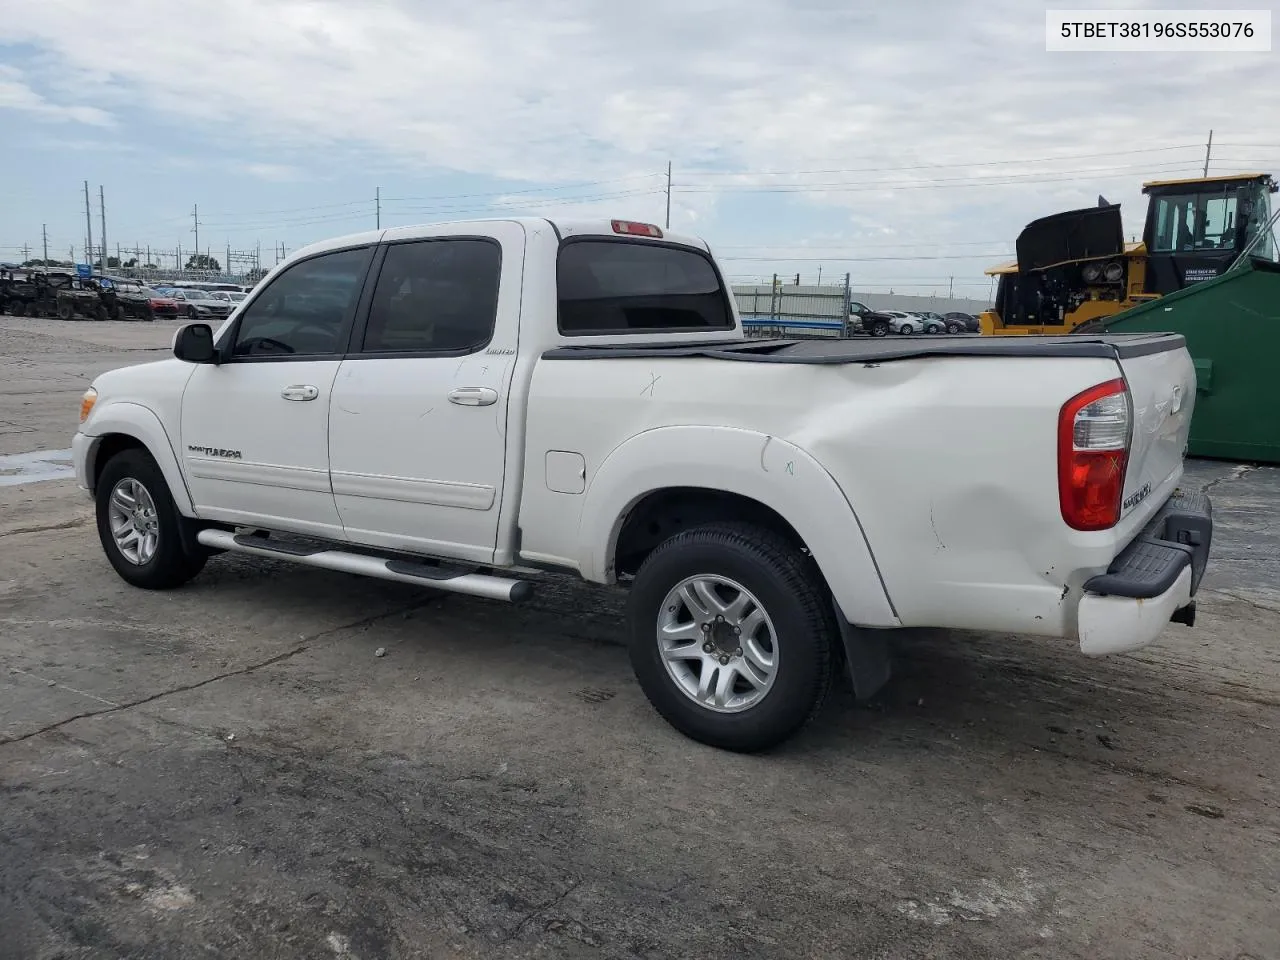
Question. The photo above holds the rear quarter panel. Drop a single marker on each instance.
(952, 464)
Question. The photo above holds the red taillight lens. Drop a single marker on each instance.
(637, 229)
(1093, 453)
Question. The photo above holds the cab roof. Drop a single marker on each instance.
(565, 228)
(1222, 178)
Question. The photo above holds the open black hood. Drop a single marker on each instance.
(1074, 235)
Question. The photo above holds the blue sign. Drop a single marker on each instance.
(84, 270)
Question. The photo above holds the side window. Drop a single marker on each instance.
(435, 296)
(612, 286)
(305, 309)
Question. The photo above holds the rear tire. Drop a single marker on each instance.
(65, 312)
(132, 496)
(776, 680)
(906, 330)
(953, 328)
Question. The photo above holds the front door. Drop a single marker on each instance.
(418, 421)
(255, 442)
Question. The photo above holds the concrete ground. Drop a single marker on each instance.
(228, 770)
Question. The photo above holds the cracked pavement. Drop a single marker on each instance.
(229, 771)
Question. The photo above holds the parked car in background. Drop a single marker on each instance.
(933, 322)
(904, 323)
(162, 305)
(873, 322)
(200, 304)
(963, 322)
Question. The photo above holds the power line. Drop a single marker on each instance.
(255, 214)
(873, 246)
(505, 193)
(917, 257)
(947, 166)
(1008, 179)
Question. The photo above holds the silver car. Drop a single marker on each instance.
(903, 323)
(200, 304)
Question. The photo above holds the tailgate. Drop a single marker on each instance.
(1162, 383)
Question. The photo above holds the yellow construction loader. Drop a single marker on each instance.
(1075, 267)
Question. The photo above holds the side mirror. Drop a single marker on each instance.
(194, 344)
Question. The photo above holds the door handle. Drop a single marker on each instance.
(300, 391)
(473, 396)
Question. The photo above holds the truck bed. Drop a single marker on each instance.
(868, 350)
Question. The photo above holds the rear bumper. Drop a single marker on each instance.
(1152, 581)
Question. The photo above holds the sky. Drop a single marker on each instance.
(904, 143)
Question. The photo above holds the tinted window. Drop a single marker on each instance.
(435, 296)
(304, 310)
(608, 286)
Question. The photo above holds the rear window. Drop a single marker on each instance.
(613, 286)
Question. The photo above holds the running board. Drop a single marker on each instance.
(451, 579)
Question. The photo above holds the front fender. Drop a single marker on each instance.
(773, 472)
(139, 422)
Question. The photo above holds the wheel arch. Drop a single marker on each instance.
(122, 426)
(729, 473)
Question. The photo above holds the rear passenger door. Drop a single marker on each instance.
(418, 419)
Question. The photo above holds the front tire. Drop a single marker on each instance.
(906, 330)
(140, 526)
(880, 328)
(731, 639)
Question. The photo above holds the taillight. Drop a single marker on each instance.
(1093, 453)
(637, 229)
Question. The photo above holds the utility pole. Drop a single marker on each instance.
(377, 202)
(88, 227)
(1207, 148)
(195, 218)
(26, 253)
(668, 194)
(44, 234)
(951, 285)
(819, 274)
(102, 208)
(226, 266)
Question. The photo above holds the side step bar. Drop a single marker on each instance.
(451, 579)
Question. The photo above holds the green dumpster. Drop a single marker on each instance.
(1232, 327)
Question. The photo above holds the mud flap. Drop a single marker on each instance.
(867, 656)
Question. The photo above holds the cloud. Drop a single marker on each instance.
(273, 172)
(928, 115)
(16, 94)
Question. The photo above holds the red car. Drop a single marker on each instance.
(162, 306)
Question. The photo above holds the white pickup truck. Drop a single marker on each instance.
(467, 405)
